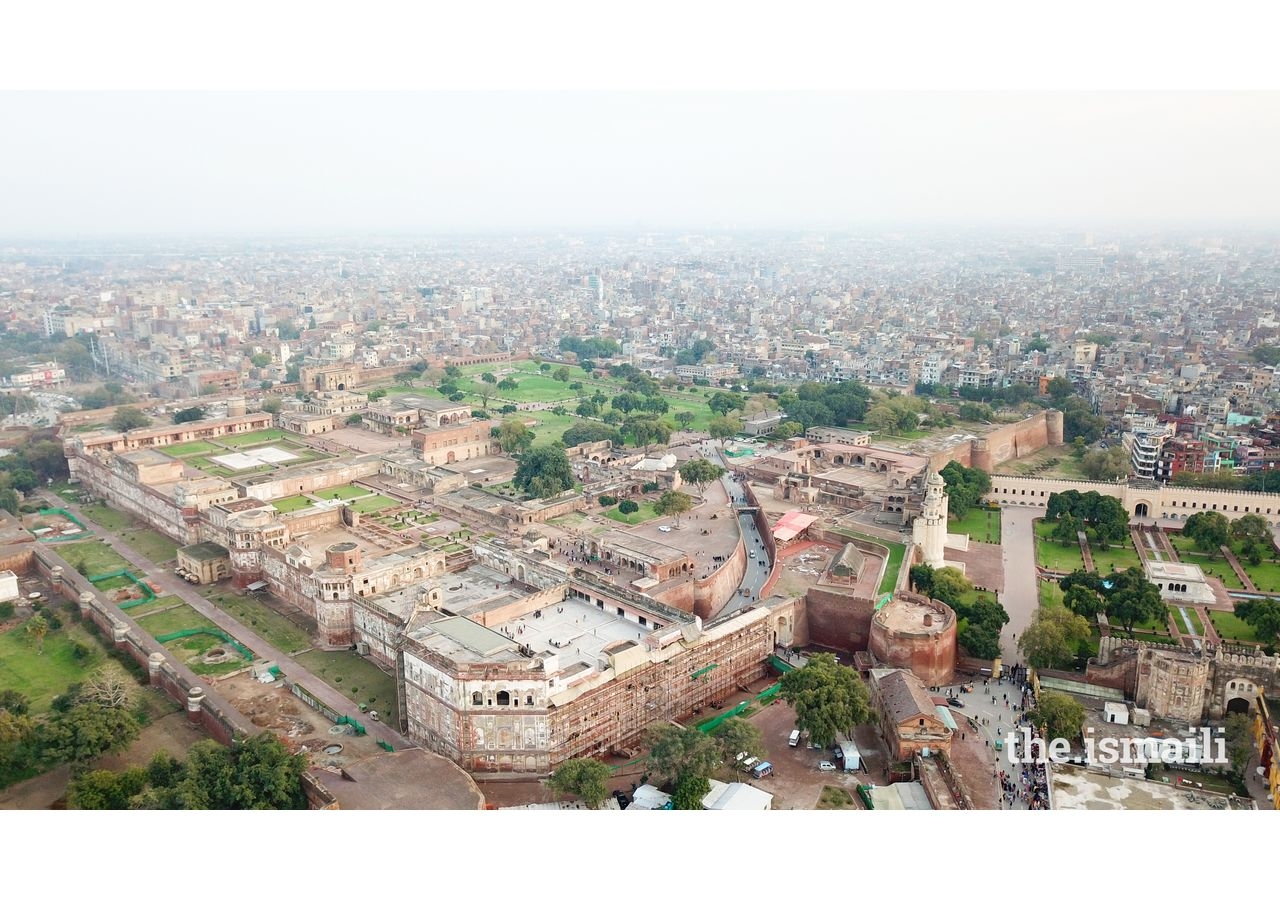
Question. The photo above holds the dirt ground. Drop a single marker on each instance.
(273, 707)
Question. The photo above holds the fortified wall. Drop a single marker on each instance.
(1007, 442)
(1142, 499)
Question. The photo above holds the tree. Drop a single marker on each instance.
(590, 432)
(14, 701)
(488, 378)
(587, 779)
(736, 736)
(260, 360)
(1050, 642)
(722, 427)
(1067, 531)
(127, 418)
(1105, 465)
(190, 414)
(700, 472)
(562, 374)
(675, 753)
(1210, 530)
(980, 641)
(965, 487)
(787, 430)
(273, 405)
(722, 403)
(627, 507)
(684, 419)
(544, 367)
(514, 436)
(1132, 598)
(36, 628)
(689, 791)
(1238, 734)
(406, 378)
(1083, 602)
(921, 576)
(828, 698)
(949, 585)
(1263, 615)
(673, 503)
(452, 373)
(507, 385)
(1251, 529)
(1058, 716)
(109, 690)
(485, 392)
(103, 789)
(544, 472)
(9, 500)
(1059, 389)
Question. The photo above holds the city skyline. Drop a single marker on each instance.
(116, 165)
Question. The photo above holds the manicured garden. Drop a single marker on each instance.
(190, 448)
(292, 504)
(1265, 575)
(374, 504)
(252, 438)
(153, 545)
(1051, 554)
(1050, 593)
(643, 514)
(1232, 628)
(342, 492)
(980, 523)
(265, 622)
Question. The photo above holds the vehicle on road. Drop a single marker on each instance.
(664, 528)
(826, 766)
(955, 701)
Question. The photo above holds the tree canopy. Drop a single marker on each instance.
(700, 472)
(1105, 515)
(586, 778)
(1058, 716)
(676, 753)
(965, 487)
(127, 418)
(673, 503)
(190, 414)
(590, 432)
(544, 472)
(828, 698)
(1053, 639)
(1209, 529)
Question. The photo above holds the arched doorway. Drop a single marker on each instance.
(783, 634)
(1142, 510)
(1238, 705)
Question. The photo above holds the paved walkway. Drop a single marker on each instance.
(1021, 596)
(168, 583)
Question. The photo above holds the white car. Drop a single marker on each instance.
(664, 528)
(826, 766)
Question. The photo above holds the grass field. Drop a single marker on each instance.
(1050, 593)
(153, 545)
(253, 437)
(191, 448)
(291, 504)
(979, 523)
(178, 618)
(111, 519)
(894, 564)
(94, 556)
(1182, 625)
(1052, 555)
(644, 514)
(1265, 576)
(343, 492)
(373, 504)
(272, 627)
(1232, 628)
(1117, 556)
(343, 670)
(43, 676)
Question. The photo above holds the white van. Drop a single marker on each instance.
(794, 740)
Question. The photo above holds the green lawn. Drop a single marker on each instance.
(1117, 556)
(344, 670)
(1181, 625)
(373, 504)
(153, 545)
(343, 492)
(251, 438)
(292, 504)
(531, 389)
(43, 676)
(1265, 576)
(268, 624)
(644, 514)
(549, 428)
(979, 523)
(94, 556)
(1050, 593)
(111, 519)
(179, 618)
(190, 448)
(1232, 628)
(894, 564)
(1052, 555)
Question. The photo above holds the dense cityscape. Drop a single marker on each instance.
(654, 520)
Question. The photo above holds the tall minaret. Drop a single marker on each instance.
(930, 527)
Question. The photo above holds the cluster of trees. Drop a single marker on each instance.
(1074, 511)
(965, 487)
(110, 394)
(1013, 395)
(127, 418)
(895, 414)
(513, 436)
(1211, 530)
(978, 621)
(28, 467)
(828, 698)
(259, 773)
(694, 353)
(815, 404)
(628, 402)
(190, 414)
(88, 720)
(1058, 716)
(1104, 465)
(590, 432)
(1126, 596)
(590, 348)
(1259, 482)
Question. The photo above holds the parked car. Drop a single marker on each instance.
(826, 766)
(664, 528)
(955, 701)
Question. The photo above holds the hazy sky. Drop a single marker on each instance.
(88, 164)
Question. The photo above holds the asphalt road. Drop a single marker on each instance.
(758, 567)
